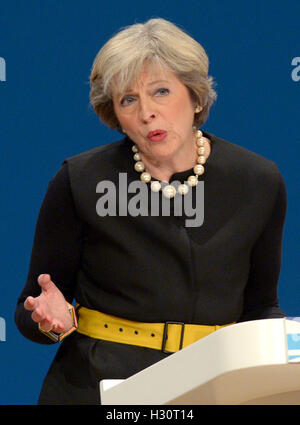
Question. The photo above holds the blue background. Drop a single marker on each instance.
(49, 47)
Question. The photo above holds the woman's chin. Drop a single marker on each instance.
(161, 153)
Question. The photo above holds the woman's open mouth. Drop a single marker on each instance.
(157, 135)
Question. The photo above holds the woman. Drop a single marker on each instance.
(131, 273)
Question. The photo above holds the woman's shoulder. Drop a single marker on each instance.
(97, 152)
(238, 158)
(99, 162)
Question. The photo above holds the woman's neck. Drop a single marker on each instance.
(163, 169)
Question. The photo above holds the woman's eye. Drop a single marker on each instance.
(127, 100)
(163, 92)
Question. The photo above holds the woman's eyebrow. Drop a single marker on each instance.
(157, 81)
(130, 90)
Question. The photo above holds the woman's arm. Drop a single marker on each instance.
(260, 297)
(56, 251)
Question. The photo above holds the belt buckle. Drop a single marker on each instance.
(165, 335)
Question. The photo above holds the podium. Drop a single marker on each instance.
(255, 362)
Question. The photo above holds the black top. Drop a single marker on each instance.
(154, 268)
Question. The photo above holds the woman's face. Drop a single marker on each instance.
(157, 113)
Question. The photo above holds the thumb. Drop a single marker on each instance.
(44, 280)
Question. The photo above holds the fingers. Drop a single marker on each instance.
(51, 325)
(30, 303)
(41, 306)
(46, 324)
(59, 327)
(38, 316)
(44, 281)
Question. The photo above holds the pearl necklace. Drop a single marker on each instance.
(169, 190)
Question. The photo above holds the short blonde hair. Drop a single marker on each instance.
(156, 42)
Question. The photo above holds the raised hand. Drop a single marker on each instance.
(50, 308)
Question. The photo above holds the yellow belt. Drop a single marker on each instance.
(168, 337)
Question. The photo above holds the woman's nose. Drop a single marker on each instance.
(147, 111)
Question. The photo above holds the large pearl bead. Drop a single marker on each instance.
(139, 166)
(199, 169)
(145, 177)
(201, 159)
(183, 189)
(192, 181)
(137, 157)
(155, 186)
(169, 191)
(200, 141)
